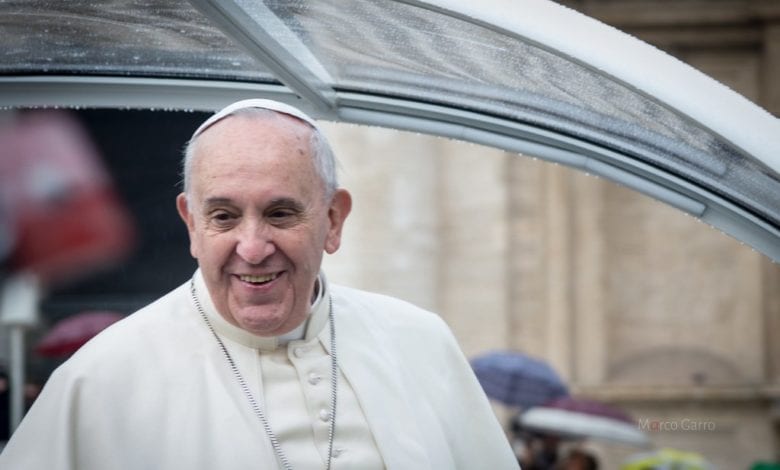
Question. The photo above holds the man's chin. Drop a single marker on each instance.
(260, 322)
(263, 328)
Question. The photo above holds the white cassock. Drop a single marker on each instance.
(154, 391)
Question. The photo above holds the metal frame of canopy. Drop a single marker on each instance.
(305, 83)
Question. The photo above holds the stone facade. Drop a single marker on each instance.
(630, 300)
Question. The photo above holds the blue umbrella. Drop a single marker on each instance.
(516, 379)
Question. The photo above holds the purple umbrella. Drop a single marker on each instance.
(516, 379)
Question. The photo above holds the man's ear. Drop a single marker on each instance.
(340, 206)
(182, 206)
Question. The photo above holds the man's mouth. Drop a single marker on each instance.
(258, 280)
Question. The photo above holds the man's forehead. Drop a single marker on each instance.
(240, 148)
(255, 135)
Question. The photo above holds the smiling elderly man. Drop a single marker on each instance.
(258, 362)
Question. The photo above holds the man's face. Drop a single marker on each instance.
(258, 220)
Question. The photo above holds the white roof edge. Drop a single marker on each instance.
(626, 58)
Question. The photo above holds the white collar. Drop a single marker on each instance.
(308, 330)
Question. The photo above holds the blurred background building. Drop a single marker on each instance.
(633, 302)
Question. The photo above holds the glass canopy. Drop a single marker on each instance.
(540, 80)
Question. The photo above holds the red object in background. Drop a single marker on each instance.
(68, 335)
(63, 215)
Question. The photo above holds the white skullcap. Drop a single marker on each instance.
(271, 105)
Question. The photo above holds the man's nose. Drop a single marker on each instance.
(255, 243)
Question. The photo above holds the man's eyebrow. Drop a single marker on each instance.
(286, 202)
(217, 201)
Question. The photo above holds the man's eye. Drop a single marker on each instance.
(222, 217)
(282, 216)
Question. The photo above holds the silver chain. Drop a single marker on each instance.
(280, 455)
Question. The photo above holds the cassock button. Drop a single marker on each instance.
(325, 415)
(314, 378)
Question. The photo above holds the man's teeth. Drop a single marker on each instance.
(258, 279)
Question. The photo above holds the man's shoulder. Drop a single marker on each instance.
(379, 302)
(139, 333)
(385, 310)
(174, 300)
(158, 312)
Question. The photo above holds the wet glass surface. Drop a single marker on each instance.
(119, 37)
(387, 49)
(411, 52)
